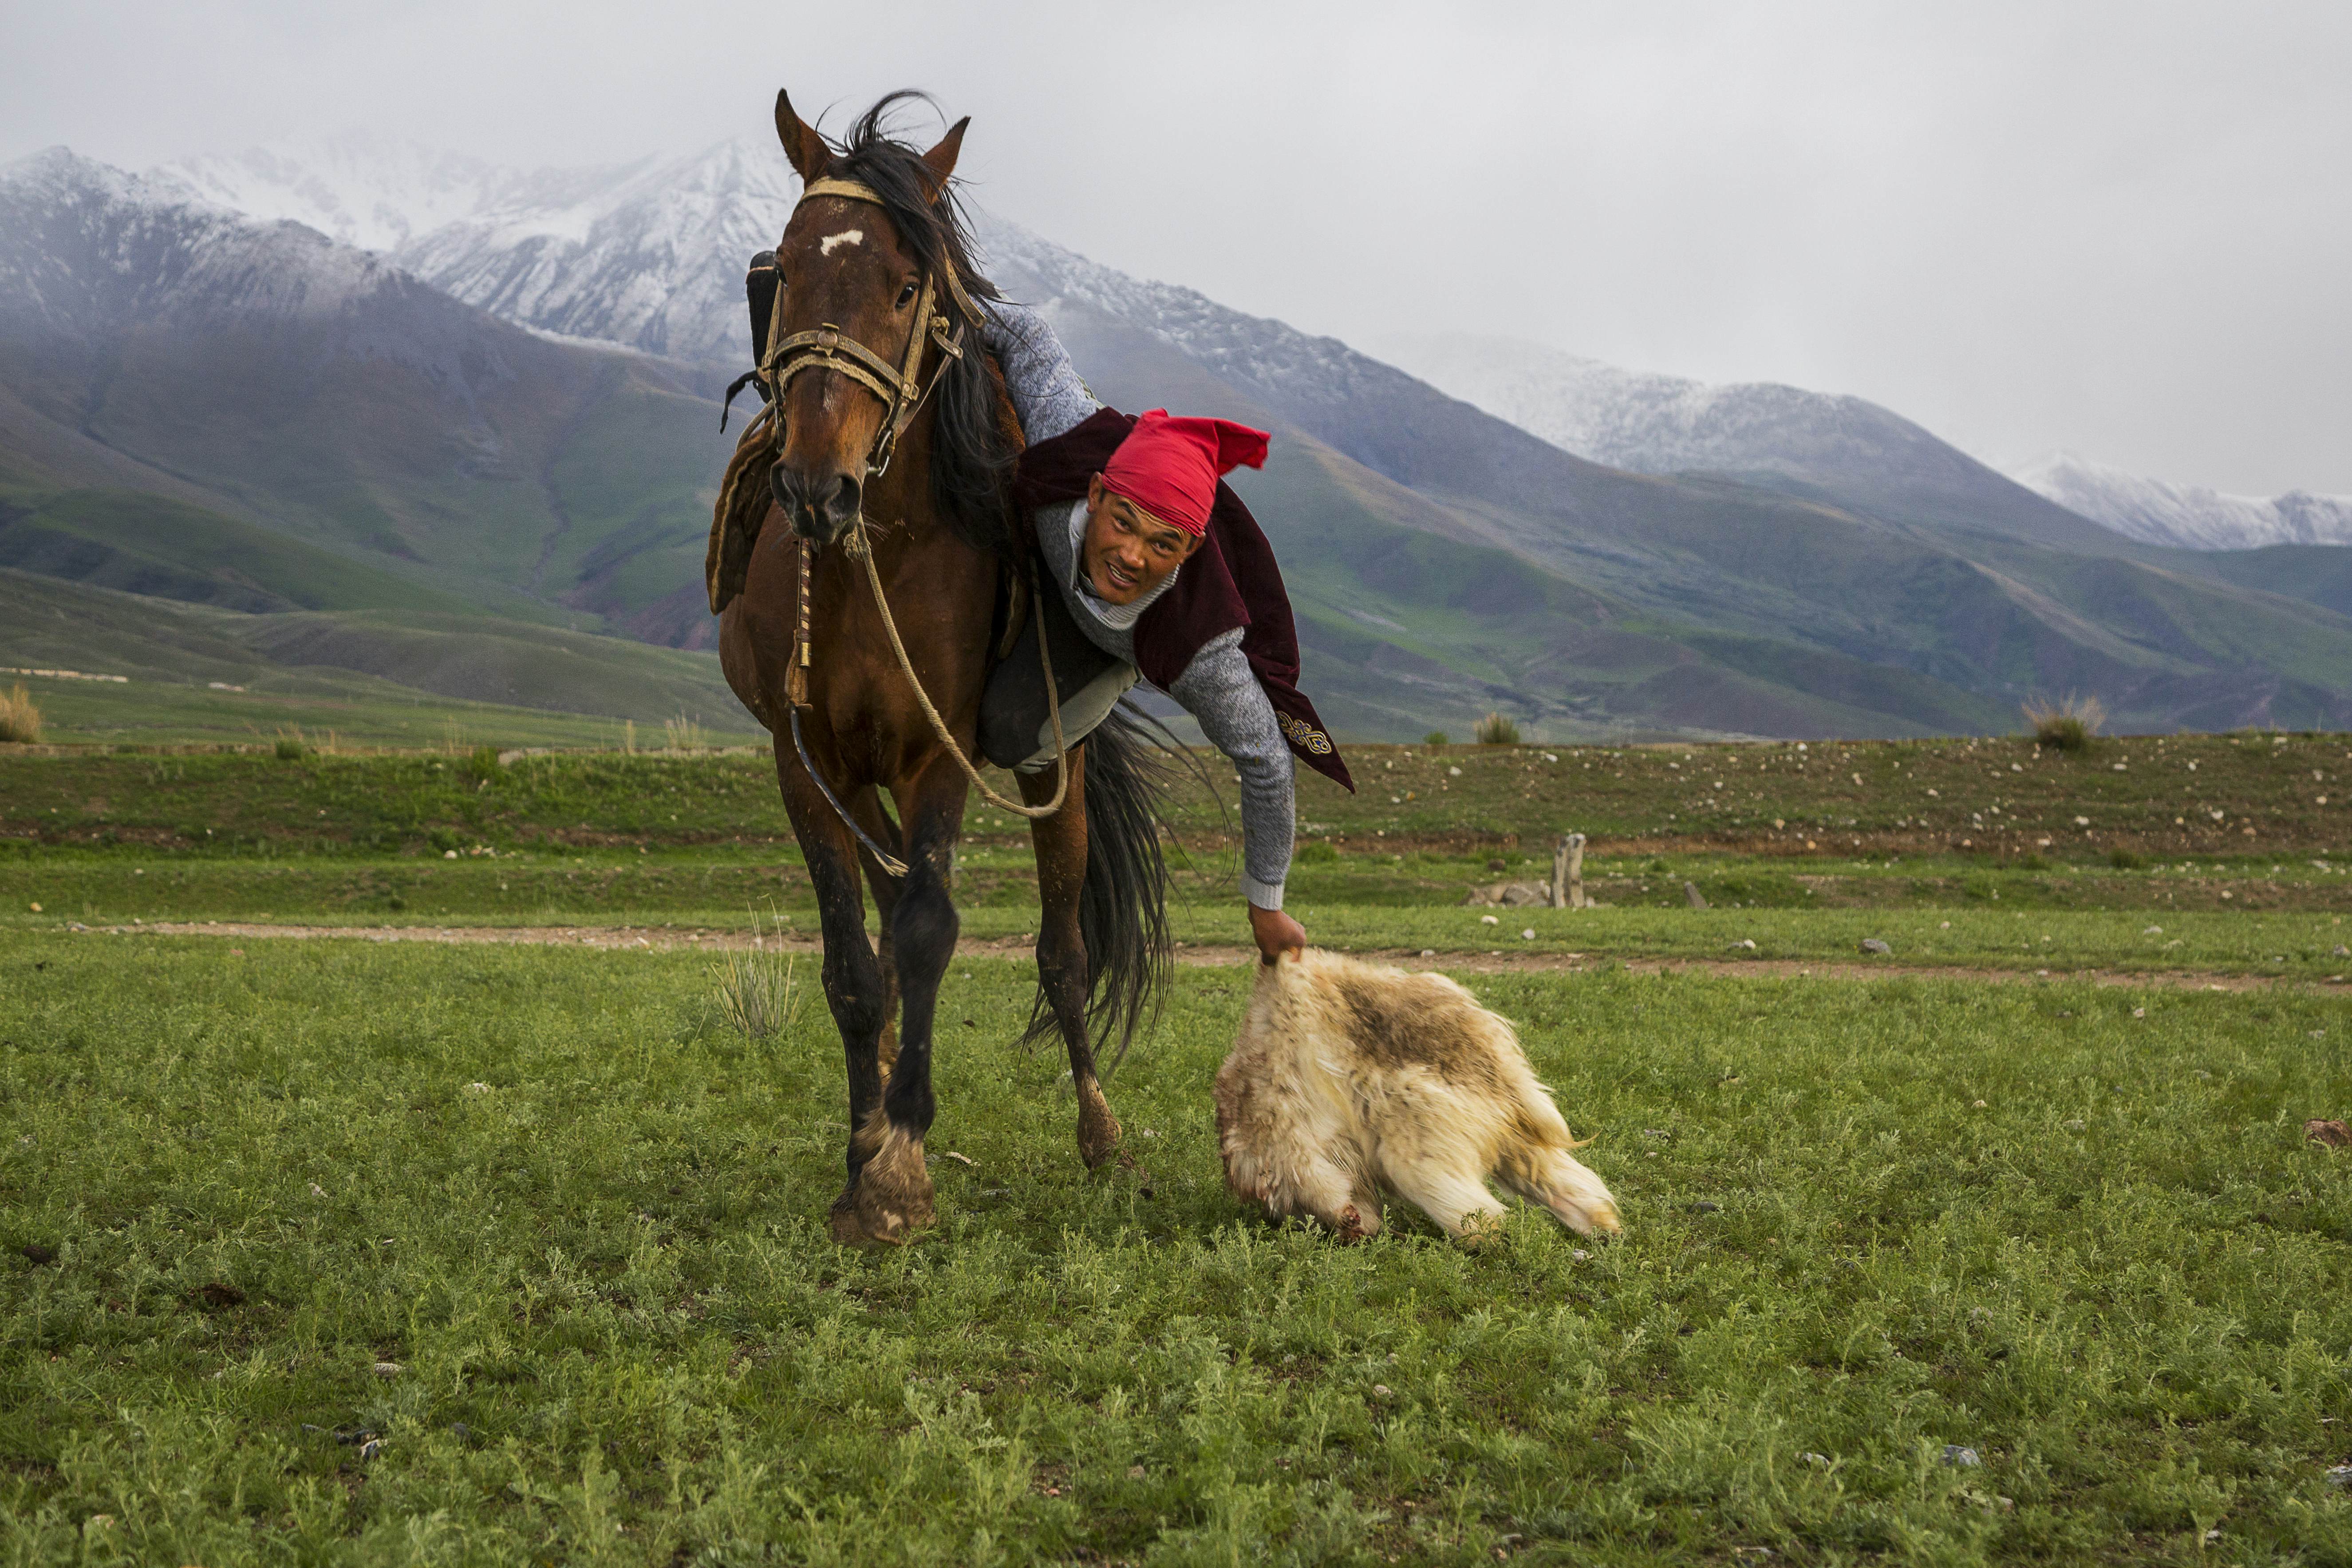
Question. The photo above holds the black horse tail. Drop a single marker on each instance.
(1123, 906)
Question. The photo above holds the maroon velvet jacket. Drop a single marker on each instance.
(1233, 580)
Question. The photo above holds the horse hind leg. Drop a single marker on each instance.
(1059, 842)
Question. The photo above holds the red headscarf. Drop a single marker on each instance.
(1169, 467)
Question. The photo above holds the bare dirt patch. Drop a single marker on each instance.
(1205, 955)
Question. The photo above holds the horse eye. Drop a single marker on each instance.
(906, 296)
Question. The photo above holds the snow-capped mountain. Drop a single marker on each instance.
(2156, 511)
(150, 341)
(648, 255)
(1847, 449)
(375, 192)
(1655, 424)
(91, 254)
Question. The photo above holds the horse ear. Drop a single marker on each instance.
(809, 154)
(941, 160)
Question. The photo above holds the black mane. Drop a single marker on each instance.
(972, 456)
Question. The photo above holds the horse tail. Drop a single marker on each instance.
(1123, 905)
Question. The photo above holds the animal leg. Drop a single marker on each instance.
(1457, 1200)
(1564, 1184)
(894, 1193)
(866, 806)
(852, 975)
(1350, 1208)
(1059, 842)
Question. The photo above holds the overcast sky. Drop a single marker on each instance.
(2125, 230)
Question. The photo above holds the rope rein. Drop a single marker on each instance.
(861, 549)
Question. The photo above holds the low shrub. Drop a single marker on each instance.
(1494, 730)
(20, 718)
(2065, 726)
(1435, 738)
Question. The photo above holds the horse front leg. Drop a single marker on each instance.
(893, 1191)
(866, 806)
(1059, 842)
(852, 977)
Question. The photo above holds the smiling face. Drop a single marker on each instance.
(1127, 551)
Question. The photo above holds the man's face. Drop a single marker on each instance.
(1127, 550)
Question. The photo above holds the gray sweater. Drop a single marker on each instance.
(1218, 688)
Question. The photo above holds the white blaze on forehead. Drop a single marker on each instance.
(846, 237)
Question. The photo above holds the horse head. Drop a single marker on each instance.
(851, 268)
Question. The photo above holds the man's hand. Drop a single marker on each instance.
(1276, 933)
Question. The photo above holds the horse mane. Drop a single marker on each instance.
(973, 444)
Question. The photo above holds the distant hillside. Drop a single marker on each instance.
(346, 667)
(265, 373)
(152, 544)
(2191, 517)
(1914, 584)
(1443, 560)
(1845, 450)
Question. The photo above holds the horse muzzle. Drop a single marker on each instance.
(820, 507)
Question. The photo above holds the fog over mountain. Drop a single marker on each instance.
(2190, 516)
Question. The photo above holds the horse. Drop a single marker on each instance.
(892, 442)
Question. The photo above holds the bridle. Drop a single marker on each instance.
(902, 395)
(829, 348)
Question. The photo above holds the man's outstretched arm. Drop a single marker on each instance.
(1221, 690)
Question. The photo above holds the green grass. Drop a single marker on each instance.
(585, 1223)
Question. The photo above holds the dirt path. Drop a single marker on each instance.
(671, 938)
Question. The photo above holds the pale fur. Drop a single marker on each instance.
(1353, 1078)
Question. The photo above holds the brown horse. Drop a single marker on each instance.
(877, 243)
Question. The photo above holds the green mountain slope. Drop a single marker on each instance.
(1962, 621)
(396, 675)
(152, 544)
(2317, 573)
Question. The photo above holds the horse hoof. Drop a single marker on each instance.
(848, 1230)
(1099, 1143)
(1098, 1130)
(891, 1198)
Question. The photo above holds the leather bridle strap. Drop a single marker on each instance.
(898, 386)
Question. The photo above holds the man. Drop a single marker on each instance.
(1167, 578)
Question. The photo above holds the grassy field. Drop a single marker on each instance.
(354, 1252)
(328, 1252)
(2237, 798)
(102, 837)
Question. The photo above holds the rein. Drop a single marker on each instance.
(902, 395)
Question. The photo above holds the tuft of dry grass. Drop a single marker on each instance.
(1494, 730)
(20, 716)
(759, 990)
(685, 734)
(2065, 726)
